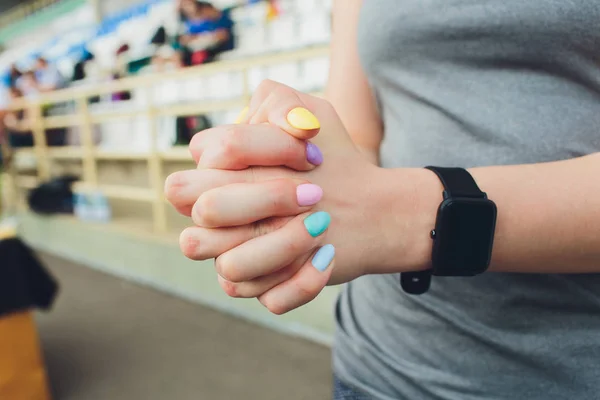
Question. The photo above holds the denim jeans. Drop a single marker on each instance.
(341, 391)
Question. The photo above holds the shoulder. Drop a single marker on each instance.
(225, 21)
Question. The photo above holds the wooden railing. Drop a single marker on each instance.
(23, 10)
(89, 154)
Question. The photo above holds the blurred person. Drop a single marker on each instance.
(166, 58)
(160, 37)
(122, 59)
(5, 100)
(18, 137)
(27, 85)
(48, 77)
(82, 70)
(15, 135)
(121, 71)
(505, 96)
(43, 79)
(87, 70)
(13, 75)
(208, 32)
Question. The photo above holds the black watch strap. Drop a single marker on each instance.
(457, 182)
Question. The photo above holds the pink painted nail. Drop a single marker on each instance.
(308, 194)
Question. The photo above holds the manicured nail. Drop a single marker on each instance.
(317, 223)
(301, 118)
(313, 154)
(242, 115)
(323, 257)
(308, 194)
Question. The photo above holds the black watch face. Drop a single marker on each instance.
(464, 237)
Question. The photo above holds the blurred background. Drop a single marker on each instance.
(98, 101)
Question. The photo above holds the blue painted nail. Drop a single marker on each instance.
(323, 257)
(317, 223)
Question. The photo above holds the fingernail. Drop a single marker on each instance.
(301, 118)
(323, 257)
(313, 154)
(242, 115)
(317, 223)
(308, 194)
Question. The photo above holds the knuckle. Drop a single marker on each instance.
(189, 243)
(268, 225)
(282, 90)
(266, 84)
(259, 228)
(231, 142)
(294, 246)
(228, 270)
(199, 141)
(256, 174)
(274, 307)
(234, 133)
(281, 195)
(325, 105)
(293, 149)
(251, 175)
(230, 288)
(307, 291)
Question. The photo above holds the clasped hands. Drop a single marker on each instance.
(285, 203)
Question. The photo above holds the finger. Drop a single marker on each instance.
(304, 286)
(236, 147)
(197, 243)
(183, 188)
(263, 91)
(272, 252)
(244, 203)
(259, 286)
(284, 108)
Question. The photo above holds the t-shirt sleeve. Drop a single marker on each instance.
(225, 22)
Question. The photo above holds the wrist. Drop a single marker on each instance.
(410, 198)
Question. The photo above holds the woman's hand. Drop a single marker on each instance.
(185, 39)
(251, 214)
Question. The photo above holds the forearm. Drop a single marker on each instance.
(548, 216)
(370, 154)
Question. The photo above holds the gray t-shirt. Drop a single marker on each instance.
(473, 83)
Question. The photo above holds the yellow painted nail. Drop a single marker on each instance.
(242, 115)
(301, 118)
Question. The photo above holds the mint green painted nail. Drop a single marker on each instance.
(317, 223)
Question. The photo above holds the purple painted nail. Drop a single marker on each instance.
(313, 154)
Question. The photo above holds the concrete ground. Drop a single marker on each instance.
(107, 339)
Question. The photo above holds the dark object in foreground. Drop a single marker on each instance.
(24, 282)
(53, 197)
(24, 286)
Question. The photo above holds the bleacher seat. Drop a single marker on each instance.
(301, 23)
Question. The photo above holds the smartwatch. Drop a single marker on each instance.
(463, 236)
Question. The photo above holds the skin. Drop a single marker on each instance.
(243, 203)
(347, 86)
